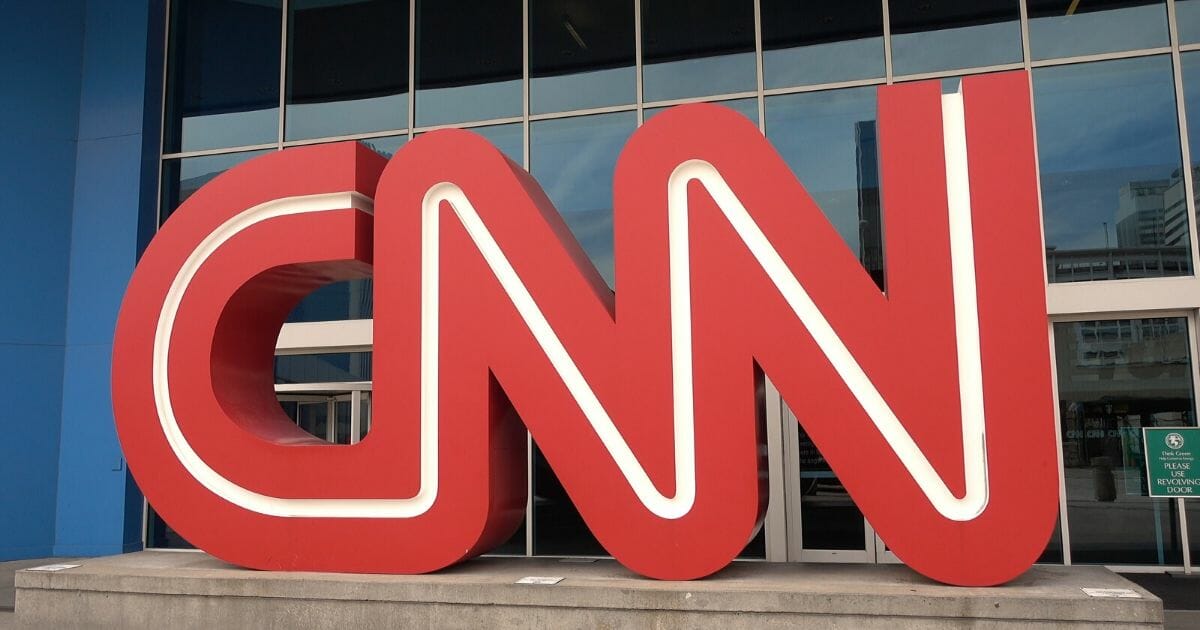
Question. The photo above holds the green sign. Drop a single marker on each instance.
(1171, 466)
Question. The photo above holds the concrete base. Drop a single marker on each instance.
(193, 590)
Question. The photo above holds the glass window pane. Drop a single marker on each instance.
(342, 367)
(747, 107)
(1066, 28)
(829, 141)
(697, 49)
(508, 138)
(351, 299)
(347, 67)
(824, 41)
(1190, 68)
(558, 529)
(468, 61)
(223, 79)
(1115, 377)
(182, 177)
(574, 159)
(386, 146)
(1187, 17)
(159, 535)
(829, 519)
(581, 55)
(1108, 143)
(937, 35)
(1053, 553)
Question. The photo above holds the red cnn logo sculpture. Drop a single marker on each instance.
(932, 401)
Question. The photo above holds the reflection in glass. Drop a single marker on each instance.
(1066, 28)
(581, 55)
(1115, 377)
(1053, 553)
(574, 159)
(313, 418)
(159, 535)
(508, 138)
(1190, 69)
(747, 107)
(349, 299)
(223, 79)
(558, 529)
(327, 414)
(1187, 19)
(829, 141)
(822, 41)
(932, 36)
(342, 367)
(182, 177)
(829, 519)
(347, 67)
(386, 146)
(1113, 198)
(697, 49)
(468, 61)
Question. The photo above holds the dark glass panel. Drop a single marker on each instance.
(341, 411)
(1115, 377)
(1066, 28)
(581, 54)
(313, 418)
(829, 141)
(1187, 18)
(339, 367)
(347, 67)
(829, 519)
(386, 146)
(1190, 67)
(574, 159)
(509, 138)
(823, 41)
(182, 177)
(468, 61)
(1112, 192)
(938, 35)
(352, 299)
(558, 529)
(223, 74)
(1193, 527)
(159, 535)
(1054, 550)
(747, 107)
(697, 49)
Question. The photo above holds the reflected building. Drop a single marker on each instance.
(870, 223)
(1151, 229)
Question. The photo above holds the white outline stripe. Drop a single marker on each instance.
(968, 507)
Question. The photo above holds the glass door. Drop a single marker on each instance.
(336, 417)
(824, 524)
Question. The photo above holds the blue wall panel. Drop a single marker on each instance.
(98, 507)
(40, 60)
(29, 452)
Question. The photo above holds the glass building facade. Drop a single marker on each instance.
(559, 86)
